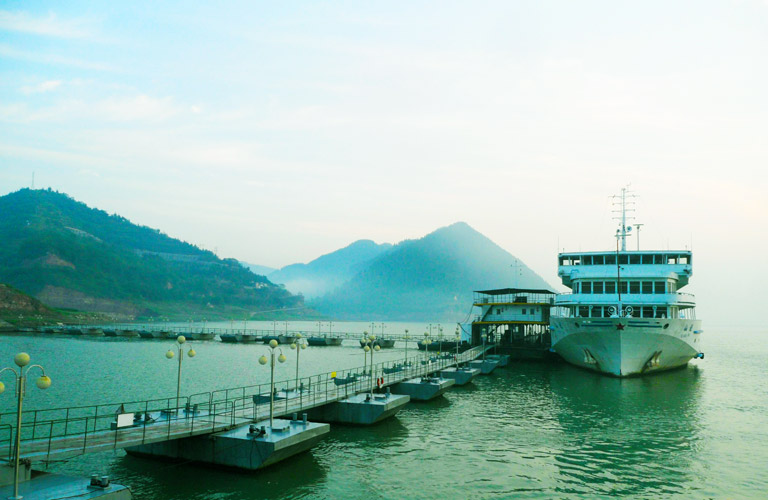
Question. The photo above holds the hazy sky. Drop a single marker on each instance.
(279, 131)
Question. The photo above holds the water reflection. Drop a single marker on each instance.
(626, 436)
(150, 479)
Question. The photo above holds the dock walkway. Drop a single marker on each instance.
(61, 433)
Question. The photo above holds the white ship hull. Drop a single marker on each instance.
(626, 346)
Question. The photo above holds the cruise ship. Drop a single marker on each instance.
(625, 315)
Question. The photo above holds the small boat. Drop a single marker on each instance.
(127, 333)
(95, 332)
(440, 346)
(108, 333)
(229, 338)
(321, 341)
(281, 339)
(382, 343)
(346, 380)
(145, 334)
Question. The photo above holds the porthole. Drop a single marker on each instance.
(666, 325)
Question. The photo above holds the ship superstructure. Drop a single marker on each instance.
(625, 314)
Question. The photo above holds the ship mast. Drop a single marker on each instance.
(623, 203)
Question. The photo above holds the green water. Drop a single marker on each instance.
(527, 431)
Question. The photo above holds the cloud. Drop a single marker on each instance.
(50, 25)
(136, 108)
(41, 87)
(12, 53)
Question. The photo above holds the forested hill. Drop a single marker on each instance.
(73, 256)
(429, 279)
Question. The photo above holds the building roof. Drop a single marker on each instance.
(508, 291)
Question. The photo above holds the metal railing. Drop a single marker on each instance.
(79, 429)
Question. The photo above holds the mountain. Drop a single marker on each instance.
(257, 269)
(72, 256)
(328, 272)
(18, 307)
(429, 279)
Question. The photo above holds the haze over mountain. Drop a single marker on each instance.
(72, 256)
(431, 278)
(257, 269)
(329, 271)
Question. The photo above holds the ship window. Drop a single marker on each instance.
(587, 260)
(683, 259)
(647, 312)
(658, 259)
(623, 259)
(623, 287)
(634, 287)
(658, 287)
(610, 260)
(575, 260)
(671, 259)
(634, 259)
(583, 312)
(610, 287)
(597, 287)
(647, 286)
(598, 260)
(586, 287)
(661, 312)
(523, 310)
(647, 259)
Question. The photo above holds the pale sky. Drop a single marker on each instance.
(275, 132)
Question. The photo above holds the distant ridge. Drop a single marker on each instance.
(72, 256)
(428, 279)
(329, 271)
(257, 269)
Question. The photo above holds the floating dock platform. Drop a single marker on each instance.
(423, 388)
(248, 447)
(361, 409)
(486, 366)
(461, 376)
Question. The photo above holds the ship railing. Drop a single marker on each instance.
(673, 299)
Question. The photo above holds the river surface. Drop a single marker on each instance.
(531, 430)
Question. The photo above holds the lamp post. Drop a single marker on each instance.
(426, 354)
(263, 361)
(407, 337)
(458, 341)
(372, 347)
(365, 341)
(180, 340)
(43, 382)
(484, 336)
(298, 345)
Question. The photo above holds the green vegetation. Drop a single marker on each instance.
(429, 279)
(72, 256)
